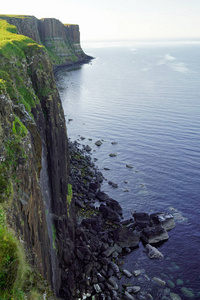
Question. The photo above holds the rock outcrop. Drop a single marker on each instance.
(62, 41)
(34, 183)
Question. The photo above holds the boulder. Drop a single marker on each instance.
(133, 289)
(109, 214)
(129, 166)
(114, 267)
(94, 186)
(154, 234)
(174, 296)
(87, 148)
(126, 238)
(108, 251)
(163, 219)
(98, 143)
(114, 205)
(113, 154)
(91, 223)
(97, 288)
(136, 273)
(153, 252)
(113, 283)
(141, 219)
(186, 292)
(159, 281)
(101, 196)
(79, 203)
(127, 273)
(114, 185)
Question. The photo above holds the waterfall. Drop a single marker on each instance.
(46, 192)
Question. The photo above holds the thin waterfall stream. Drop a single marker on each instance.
(46, 191)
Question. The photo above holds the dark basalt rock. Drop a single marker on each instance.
(98, 240)
(94, 186)
(101, 196)
(114, 185)
(79, 203)
(163, 219)
(109, 214)
(154, 234)
(141, 219)
(114, 205)
(126, 238)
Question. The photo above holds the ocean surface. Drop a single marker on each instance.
(146, 98)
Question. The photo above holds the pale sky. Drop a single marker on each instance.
(117, 19)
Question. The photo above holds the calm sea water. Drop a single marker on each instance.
(145, 97)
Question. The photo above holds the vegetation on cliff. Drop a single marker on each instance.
(19, 171)
(37, 231)
(12, 65)
(62, 41)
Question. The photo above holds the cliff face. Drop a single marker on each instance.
(34, 169)
(61, 41)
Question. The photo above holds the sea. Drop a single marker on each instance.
(142, 100)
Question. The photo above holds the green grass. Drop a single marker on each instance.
(9, 261)
(13, 152)
(19, 128)
(14, 49)
(69, 198)
(18, 280)
(15, 16)
(69, 194)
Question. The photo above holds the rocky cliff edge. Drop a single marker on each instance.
(36, 208)
(62, 41)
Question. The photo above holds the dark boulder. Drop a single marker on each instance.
(154, 234)
(141, 219)
(101, 196)
(114, 205)
(79, 203)
(94, 186)
(163, 219)
(126, 238)
(109, 214)
(92, 224)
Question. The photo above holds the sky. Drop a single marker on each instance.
(117, 19)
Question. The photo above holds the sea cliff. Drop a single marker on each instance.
(62, 41)
(35, 195)
(54, 242)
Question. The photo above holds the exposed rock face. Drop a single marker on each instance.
(26, 212)
(33, 142)
(61, 41)
(26, 25)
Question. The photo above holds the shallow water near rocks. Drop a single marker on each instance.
(142, 101)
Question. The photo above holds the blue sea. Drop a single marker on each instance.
(145, 96)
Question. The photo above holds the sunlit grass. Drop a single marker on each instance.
(13, 43)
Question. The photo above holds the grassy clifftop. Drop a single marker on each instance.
(13, 47)
(11, 41)
(62, 41)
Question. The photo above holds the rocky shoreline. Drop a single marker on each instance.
(103, 237)
(70, 65)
